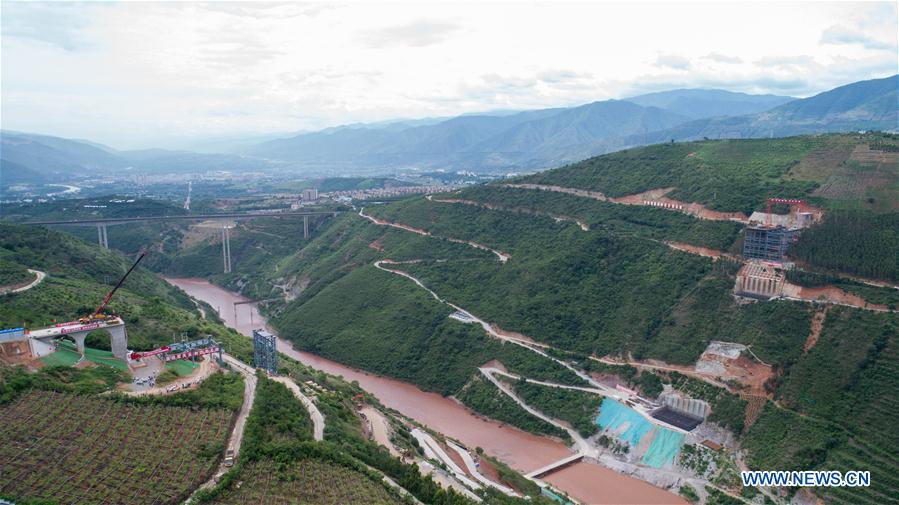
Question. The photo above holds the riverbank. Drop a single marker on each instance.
(521, 450)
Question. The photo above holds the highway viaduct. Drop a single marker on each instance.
(224, 218)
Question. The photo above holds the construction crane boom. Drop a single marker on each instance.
(122, 280)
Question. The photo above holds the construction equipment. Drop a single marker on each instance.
(98, 314)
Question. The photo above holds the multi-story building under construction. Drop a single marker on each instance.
(768, 243)
(768, 235)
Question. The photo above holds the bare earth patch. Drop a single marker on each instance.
(651, 198)
(830, 294)
(815, 332)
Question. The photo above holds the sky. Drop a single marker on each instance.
(148, 74)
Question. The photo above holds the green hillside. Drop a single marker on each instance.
(278, 435)
(738, 175)
(595, 278)
(615, 288)
(80, 275)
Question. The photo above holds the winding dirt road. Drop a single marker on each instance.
(39, 277)
(318, 420)
(502, 256)
(236, 438)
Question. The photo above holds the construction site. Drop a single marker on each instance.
(64, 344)
(766, 241)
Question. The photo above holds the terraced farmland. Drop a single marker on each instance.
(79, 449)
(310, 481)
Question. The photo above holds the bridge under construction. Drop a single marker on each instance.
(225, 219)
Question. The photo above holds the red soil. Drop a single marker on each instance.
(694, 249)
(830, 294)
(815, 332)
(693, 209)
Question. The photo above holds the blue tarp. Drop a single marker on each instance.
(664, 448)
(629, 425)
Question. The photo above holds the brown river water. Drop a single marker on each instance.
(523, 451)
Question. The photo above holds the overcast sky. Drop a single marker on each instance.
(143, 74)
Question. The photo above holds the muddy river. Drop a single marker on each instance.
(521, 450)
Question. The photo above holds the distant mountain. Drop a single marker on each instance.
(496, 141)
(52, 158)
(12, 173)
(473, 141)
(864, 105)
(567, 135)
(705, 103)
(162, 161)
(550, 137)
(37, 159)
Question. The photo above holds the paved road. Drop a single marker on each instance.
(318, 420)
(39, 277)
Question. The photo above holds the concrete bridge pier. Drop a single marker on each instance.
(226, 247)
(305, 226)
(118, 340)
(102, 238)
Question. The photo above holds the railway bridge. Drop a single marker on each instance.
(41, 340)
(224, 218)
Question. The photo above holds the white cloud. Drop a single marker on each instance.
(843, 35)
(139, 74)
(419, 33)
(723, 58)
(673, 61)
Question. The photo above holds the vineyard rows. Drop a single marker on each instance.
(87, 450)
(311, 482)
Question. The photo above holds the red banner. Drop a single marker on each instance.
(191, 354)
(69, 329)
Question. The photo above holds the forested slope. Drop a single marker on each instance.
(80, 275)
(594, 277)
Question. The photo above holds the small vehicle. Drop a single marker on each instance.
(172, 389)
(229, 457)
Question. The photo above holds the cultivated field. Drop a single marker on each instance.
(81, 449)
(310, 481)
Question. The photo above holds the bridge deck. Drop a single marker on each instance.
(555, 465)
(185, 217)
(57, 331)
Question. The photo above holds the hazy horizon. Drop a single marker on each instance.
(140, 75)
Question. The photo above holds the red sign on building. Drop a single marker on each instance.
(191, 354)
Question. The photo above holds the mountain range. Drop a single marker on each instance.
(500, 141)
(550, 137)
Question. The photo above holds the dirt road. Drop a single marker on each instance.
(503, 256)
(473, 470)
(39, 277)
(236, 438)
(380, 429)
(201, 373)
(583, 447)
(249, 395)
(318, 420)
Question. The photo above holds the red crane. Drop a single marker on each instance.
(98, 314)
(788, 201)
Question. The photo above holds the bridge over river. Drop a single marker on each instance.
(224, 218)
